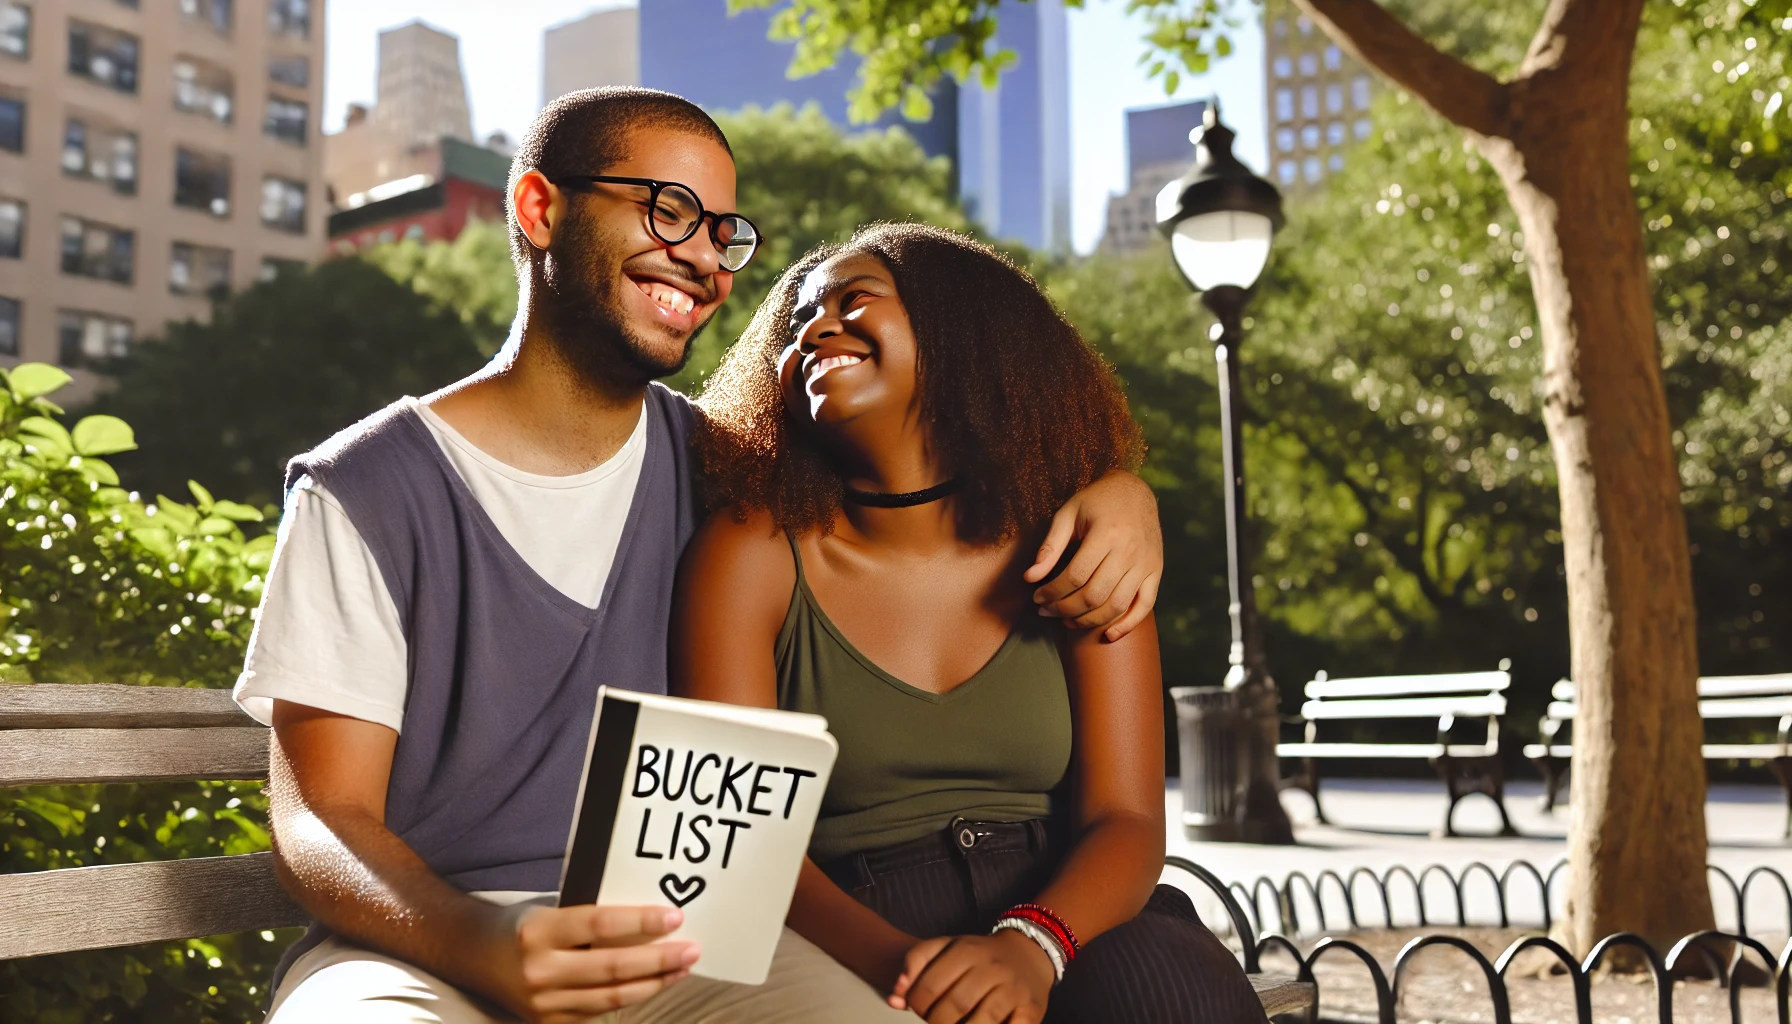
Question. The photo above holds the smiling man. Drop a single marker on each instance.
(457, 574)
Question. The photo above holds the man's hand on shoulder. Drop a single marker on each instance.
(1111, 583)
(572, 963)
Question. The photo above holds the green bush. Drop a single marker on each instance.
(100, 585)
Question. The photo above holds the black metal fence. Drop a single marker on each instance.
(1299, 905)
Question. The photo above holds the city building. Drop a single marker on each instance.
(1159, 148)
(1014, 139)
(152, 156)
(1318, 99)
(1010, 145)
(421, 99)
(466, 183)
(601, 48)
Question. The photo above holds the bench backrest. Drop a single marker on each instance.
(53, 734)
(1437, 695)
(1767, 696)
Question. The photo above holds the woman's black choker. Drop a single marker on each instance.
(882, 499)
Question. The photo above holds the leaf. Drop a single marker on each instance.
(103, 435)
(1172, 82)
(47, 435)
(180, 518)
(237, 511)
(1222, 45)
(213, 526)
(99, 471)
(156, 539)
(200, 495)
(30, 380)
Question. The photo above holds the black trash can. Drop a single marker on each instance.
(1215, 762)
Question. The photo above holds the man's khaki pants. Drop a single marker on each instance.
(338, 983)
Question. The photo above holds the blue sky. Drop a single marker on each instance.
(501, 54)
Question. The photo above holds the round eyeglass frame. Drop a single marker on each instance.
(654, 187)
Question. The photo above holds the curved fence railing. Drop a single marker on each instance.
(1714, 954)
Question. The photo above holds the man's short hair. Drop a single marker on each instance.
(588, 131)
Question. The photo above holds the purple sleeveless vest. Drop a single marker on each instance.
(503, 668)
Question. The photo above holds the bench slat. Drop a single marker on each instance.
(1710, 751)
(1281, 993)
(124, 904)
(1396, 686)
(1712, 686)
(111, 706)
(1738, 707)
(41, 757)
(1395, 750)
(1412, 707)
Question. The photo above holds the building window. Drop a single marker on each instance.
(1285, 139)
(1284, 67)
(1359, 92)
(1309, 136)
(283, 204)
(9, 326)
(290, 18)
(1284, 104)
(87, 339)
(1281, 30)
(1335, 162)
(1309, 65)
(1288, 171)
(202, 182)
(15, 29)
(1334, 133)
(203, 88)
(1305, 24)
(100, 153)
(12, 228)
(286, 120)
(1334, 99)
(215, 13)
(1333, 58)
(12, 124)
(91, 249)
(1313, 169)
(1309, 101)
(1363, 127)
(293, 70)
(199, 270)
(103, 55)
(273, 267)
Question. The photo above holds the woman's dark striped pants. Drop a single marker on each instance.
(1162, 967)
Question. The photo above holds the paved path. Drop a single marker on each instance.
(1380, 823)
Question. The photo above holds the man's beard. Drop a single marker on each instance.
(587, 319)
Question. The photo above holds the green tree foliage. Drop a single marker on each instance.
(284, 365)
(1398, 467)
(99, 585)
(471, 277)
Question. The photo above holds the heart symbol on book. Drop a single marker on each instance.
(681, 890)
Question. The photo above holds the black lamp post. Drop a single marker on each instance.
(1219, 218)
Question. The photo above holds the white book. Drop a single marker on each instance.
(703, 806)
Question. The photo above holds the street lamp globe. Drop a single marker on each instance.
(1219, 216)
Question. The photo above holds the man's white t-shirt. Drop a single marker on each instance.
(327, 634)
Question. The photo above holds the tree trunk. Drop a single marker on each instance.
(1558, 137)
(1636, 845)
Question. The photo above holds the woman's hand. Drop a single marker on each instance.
(1003, 978)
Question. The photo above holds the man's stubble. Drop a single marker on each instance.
(581, 282)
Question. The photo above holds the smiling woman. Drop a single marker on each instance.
(885, 445)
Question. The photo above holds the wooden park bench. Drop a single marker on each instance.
(1449, 698)
(1721, 698)
(54, 734)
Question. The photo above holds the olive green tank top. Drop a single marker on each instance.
(994, 748)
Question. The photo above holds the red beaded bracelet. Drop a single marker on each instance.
(1052, 923)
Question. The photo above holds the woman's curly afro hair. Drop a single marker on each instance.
(1020, 409)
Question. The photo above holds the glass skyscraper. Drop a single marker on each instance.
(1010, 144)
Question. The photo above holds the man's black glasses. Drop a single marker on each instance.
(674, 213)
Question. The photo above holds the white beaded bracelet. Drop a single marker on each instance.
(1040, 936)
